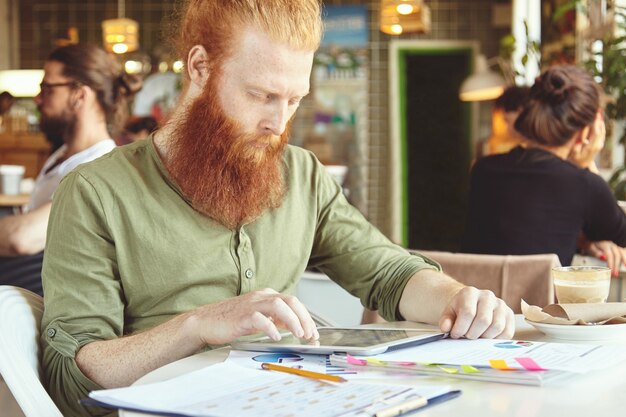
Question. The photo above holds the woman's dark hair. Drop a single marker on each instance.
(92, 66)
(513, 98)
(563, 100)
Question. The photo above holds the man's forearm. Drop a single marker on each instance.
(24, 234)
(120, 362)
(426, 295)
(8, 227)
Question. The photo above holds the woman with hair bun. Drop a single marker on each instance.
(542, 197)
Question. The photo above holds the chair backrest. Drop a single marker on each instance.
(510, 277)
(20, 317)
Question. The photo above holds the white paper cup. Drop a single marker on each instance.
(581, 284)
(11, 178)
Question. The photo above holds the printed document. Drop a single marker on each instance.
(579, 358)
(227, 389)
(315, 363)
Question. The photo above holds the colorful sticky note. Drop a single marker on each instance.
(354, 361)
(469, 369)
(529, 364)
(405, 363)
(448, 370)
(500, 364)
(376, 361)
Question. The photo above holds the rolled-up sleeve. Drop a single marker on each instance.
(357, 256)
(83, 300)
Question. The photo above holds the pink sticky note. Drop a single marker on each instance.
(405, 363)
(354, 361)
(529, 364)
(500, 364)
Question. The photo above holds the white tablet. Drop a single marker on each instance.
(355, 341)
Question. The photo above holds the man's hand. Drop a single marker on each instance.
(433, 297)
(258, 311)
(474, 313)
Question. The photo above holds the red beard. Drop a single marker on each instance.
(220, 170)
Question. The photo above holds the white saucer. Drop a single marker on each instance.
(580, 332)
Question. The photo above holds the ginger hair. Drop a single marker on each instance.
(214, 24)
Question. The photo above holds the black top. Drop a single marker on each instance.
(529, 201)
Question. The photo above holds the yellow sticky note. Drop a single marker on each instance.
(500, 364)
(469, 369)
(448, 370)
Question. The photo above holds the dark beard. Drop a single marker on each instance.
(57, 129)
(217, 168)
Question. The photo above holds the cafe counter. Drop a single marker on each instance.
(28, 149)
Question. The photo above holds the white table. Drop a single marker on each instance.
(598, 394)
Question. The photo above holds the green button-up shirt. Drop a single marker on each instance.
(126, 252)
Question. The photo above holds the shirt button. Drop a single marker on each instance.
(51, 332)
(249, 273)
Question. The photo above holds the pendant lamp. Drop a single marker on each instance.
(120, 35)
(483, 84)
(404, 16)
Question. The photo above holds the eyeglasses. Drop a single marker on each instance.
(46, 88)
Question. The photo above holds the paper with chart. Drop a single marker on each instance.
(227, 389)
(315, 363)
(569, 357)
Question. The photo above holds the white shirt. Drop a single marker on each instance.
(47, 182)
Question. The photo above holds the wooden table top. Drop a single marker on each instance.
(18, 200)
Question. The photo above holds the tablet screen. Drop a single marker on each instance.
(356, 337)
(346, 340)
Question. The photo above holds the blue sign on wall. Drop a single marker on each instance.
(345, 26)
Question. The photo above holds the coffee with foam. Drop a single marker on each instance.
(581, 284)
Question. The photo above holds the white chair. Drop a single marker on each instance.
(20, 317)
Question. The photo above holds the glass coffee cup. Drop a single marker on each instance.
(581, 284)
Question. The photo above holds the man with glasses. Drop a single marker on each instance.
(47, 89)
(82, 93)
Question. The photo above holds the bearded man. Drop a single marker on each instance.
(198, 235)
(82, 100)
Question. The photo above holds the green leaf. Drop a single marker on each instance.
(507, 41)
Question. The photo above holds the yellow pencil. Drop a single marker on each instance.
(302, 372)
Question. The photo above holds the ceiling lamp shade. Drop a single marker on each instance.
(21, 83)
(404, 16)
(483, 84)
(120, 35)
